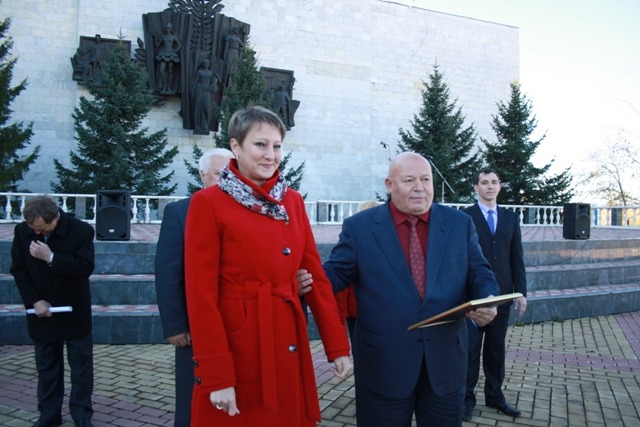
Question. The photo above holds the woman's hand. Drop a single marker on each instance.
(225, 400)
(343, 366)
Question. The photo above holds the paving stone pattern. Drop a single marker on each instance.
(581, 372)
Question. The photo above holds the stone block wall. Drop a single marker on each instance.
(359, 69)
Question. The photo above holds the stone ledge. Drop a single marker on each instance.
(140, 324)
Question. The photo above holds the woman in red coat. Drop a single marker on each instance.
(245, 240)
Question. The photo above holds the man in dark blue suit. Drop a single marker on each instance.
(170, 292)
(400, 372)
(499, 235)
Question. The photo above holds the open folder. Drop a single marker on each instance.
(459, 311)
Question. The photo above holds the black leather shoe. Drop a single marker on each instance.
(505, 408)
(466, 414)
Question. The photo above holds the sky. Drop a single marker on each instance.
(579, 67)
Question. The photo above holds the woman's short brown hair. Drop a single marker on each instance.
(243, 120)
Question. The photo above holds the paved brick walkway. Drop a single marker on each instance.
(582, 372)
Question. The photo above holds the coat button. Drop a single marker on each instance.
(292, 348)
(286, 251)
(195, 363)
(198, 380)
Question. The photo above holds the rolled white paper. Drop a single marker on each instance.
(63, 309)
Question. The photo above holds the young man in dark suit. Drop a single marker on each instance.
(499, 235)
(52, 258)
(400, 372)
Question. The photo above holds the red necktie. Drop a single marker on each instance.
(416, 257)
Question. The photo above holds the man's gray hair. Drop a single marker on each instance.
(205, 159)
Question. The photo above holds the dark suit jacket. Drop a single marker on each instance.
(503, 250)
(66, 282)
(169, 269)
(388, 358)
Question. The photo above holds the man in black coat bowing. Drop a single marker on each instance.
(52, 258)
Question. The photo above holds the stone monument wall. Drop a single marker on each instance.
(359, 68)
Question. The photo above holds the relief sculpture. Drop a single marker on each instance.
(90, 57)
(279, 89)
(190, 50)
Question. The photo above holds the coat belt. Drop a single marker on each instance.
(264, 292)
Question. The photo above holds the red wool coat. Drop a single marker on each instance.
(347, 306)
(246, 319)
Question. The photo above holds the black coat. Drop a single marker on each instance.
(66, 282)
(169, 269)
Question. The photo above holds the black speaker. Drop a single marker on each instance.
(576, 221)
(113, 215)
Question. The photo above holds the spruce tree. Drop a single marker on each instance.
(114, 151)
(439, 134)
(13, 137)
(247, 89)
(193, 170)
(522, 182)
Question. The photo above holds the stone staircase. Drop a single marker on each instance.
(570, 279)
(566, 278)
(122, 293)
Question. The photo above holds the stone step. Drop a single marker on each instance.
(569, 276)
(562, 252)
(578, 302)
(136, 289)
(110, 257)
(122, 289)
(135, 257)
(556, 252)
(112, 324)
(106, 289)
(131, 324)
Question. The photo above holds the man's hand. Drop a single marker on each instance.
(42, 308)
(40, 250)
(180, 340)
(482, 316)
(520, 305)
(304, 282)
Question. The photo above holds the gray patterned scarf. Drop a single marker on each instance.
(253, 197)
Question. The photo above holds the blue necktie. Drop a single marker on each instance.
(491, 222)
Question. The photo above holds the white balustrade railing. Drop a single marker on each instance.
(335, 211)
(144, 209)
(149, 209)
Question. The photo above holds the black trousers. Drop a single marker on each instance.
(375, 410)
(184, 386)
(488, 343)
(50, 367)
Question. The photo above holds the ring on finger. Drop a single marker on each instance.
(219, 406)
